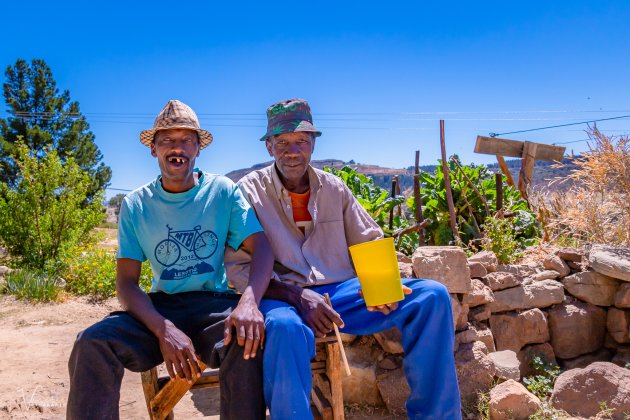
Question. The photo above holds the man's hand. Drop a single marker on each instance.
(249, 324)
(387, 308)
(317, 313)
(179, 353)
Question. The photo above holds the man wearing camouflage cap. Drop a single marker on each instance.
(181, 222)
(311, 218)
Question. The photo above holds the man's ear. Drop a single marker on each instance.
(153, 153)
(268, 145)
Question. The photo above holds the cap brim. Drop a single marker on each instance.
(302, 127)
(205, 138)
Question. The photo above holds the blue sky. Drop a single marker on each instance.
(378, 75)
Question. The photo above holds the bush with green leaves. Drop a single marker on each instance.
(378, 203)
(32, 285)
(90, 270)
(545, 374)
(475, 200)
(46, 211)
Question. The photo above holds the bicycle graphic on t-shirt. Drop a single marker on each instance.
(202, 244)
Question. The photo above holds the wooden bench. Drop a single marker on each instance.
(163, 393)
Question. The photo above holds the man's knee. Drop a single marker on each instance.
(430, 293)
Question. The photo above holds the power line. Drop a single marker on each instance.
(559, 125)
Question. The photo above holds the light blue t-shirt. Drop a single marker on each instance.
(183, 235)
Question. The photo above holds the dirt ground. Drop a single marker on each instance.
(35, 344)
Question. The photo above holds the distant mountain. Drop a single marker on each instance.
(544, 172)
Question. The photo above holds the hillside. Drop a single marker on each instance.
(544, 172)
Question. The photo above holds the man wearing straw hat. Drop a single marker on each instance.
(181, 222)
(311, 218)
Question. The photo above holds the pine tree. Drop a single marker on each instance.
(45, 119)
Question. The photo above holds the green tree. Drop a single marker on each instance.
(116, 202)
(44, 211)
(45, 119)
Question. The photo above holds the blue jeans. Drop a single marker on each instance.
(426, 323)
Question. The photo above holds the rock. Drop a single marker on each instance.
(609, 342)
(511, 400)
(570, 254)
(479, 313)
(545, 275)
(406, 270)
(477, 270)
(480, 294)
(592, 287)
(475, 371)
(610, 261)
(581, 391)
(536, 295)
(506, 364)
(473, 334)
(622, 356)
(390, 340)
(576, 266)
(402, 258)
(389, 362)
(528, 353)
(360, 387)
(513, 331)
(446, 264)
(554, 262)
(576, 328)
(394, 390)
(347, 338)
(523, 270)
(618, 323)
(500, 280)
(622, 296)
(601, 355)
(4, 270)
(486, 258)
(460, 313)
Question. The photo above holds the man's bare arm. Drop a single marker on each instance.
(176, 347)
(246, 317)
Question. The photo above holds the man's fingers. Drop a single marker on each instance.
(169, 368)
(194, 362)
(240, 335)
(261, 328)
(407, 290)
(335, 318)
(249, 341)
(185, 366)
(392, 306)
(177, 364)
(227, 332)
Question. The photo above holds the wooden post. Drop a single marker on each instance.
(527, 167)
(391, 212)
(447, 186)
(505, 170)
(499, 183)
(417, 198)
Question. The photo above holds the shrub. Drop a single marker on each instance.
(89, 270)
(596, 208)
(541, 384)
(46, 210)
(32, 285)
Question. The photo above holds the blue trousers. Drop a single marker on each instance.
(426, 323)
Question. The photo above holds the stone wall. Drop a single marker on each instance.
(570, 306)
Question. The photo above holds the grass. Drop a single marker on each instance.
(596, 208)
(32, 285)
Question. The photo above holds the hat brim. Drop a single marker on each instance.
(302, 127)
(205, 138)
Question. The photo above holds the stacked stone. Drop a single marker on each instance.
(572, 308)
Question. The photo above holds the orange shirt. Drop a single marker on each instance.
(301, 215)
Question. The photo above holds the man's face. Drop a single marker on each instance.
(292, 153)
(176, 151)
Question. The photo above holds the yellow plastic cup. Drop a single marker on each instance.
(377, 268)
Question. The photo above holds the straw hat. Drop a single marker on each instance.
(176, 114)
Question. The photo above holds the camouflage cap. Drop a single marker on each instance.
(176, 114)
(290, 116)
